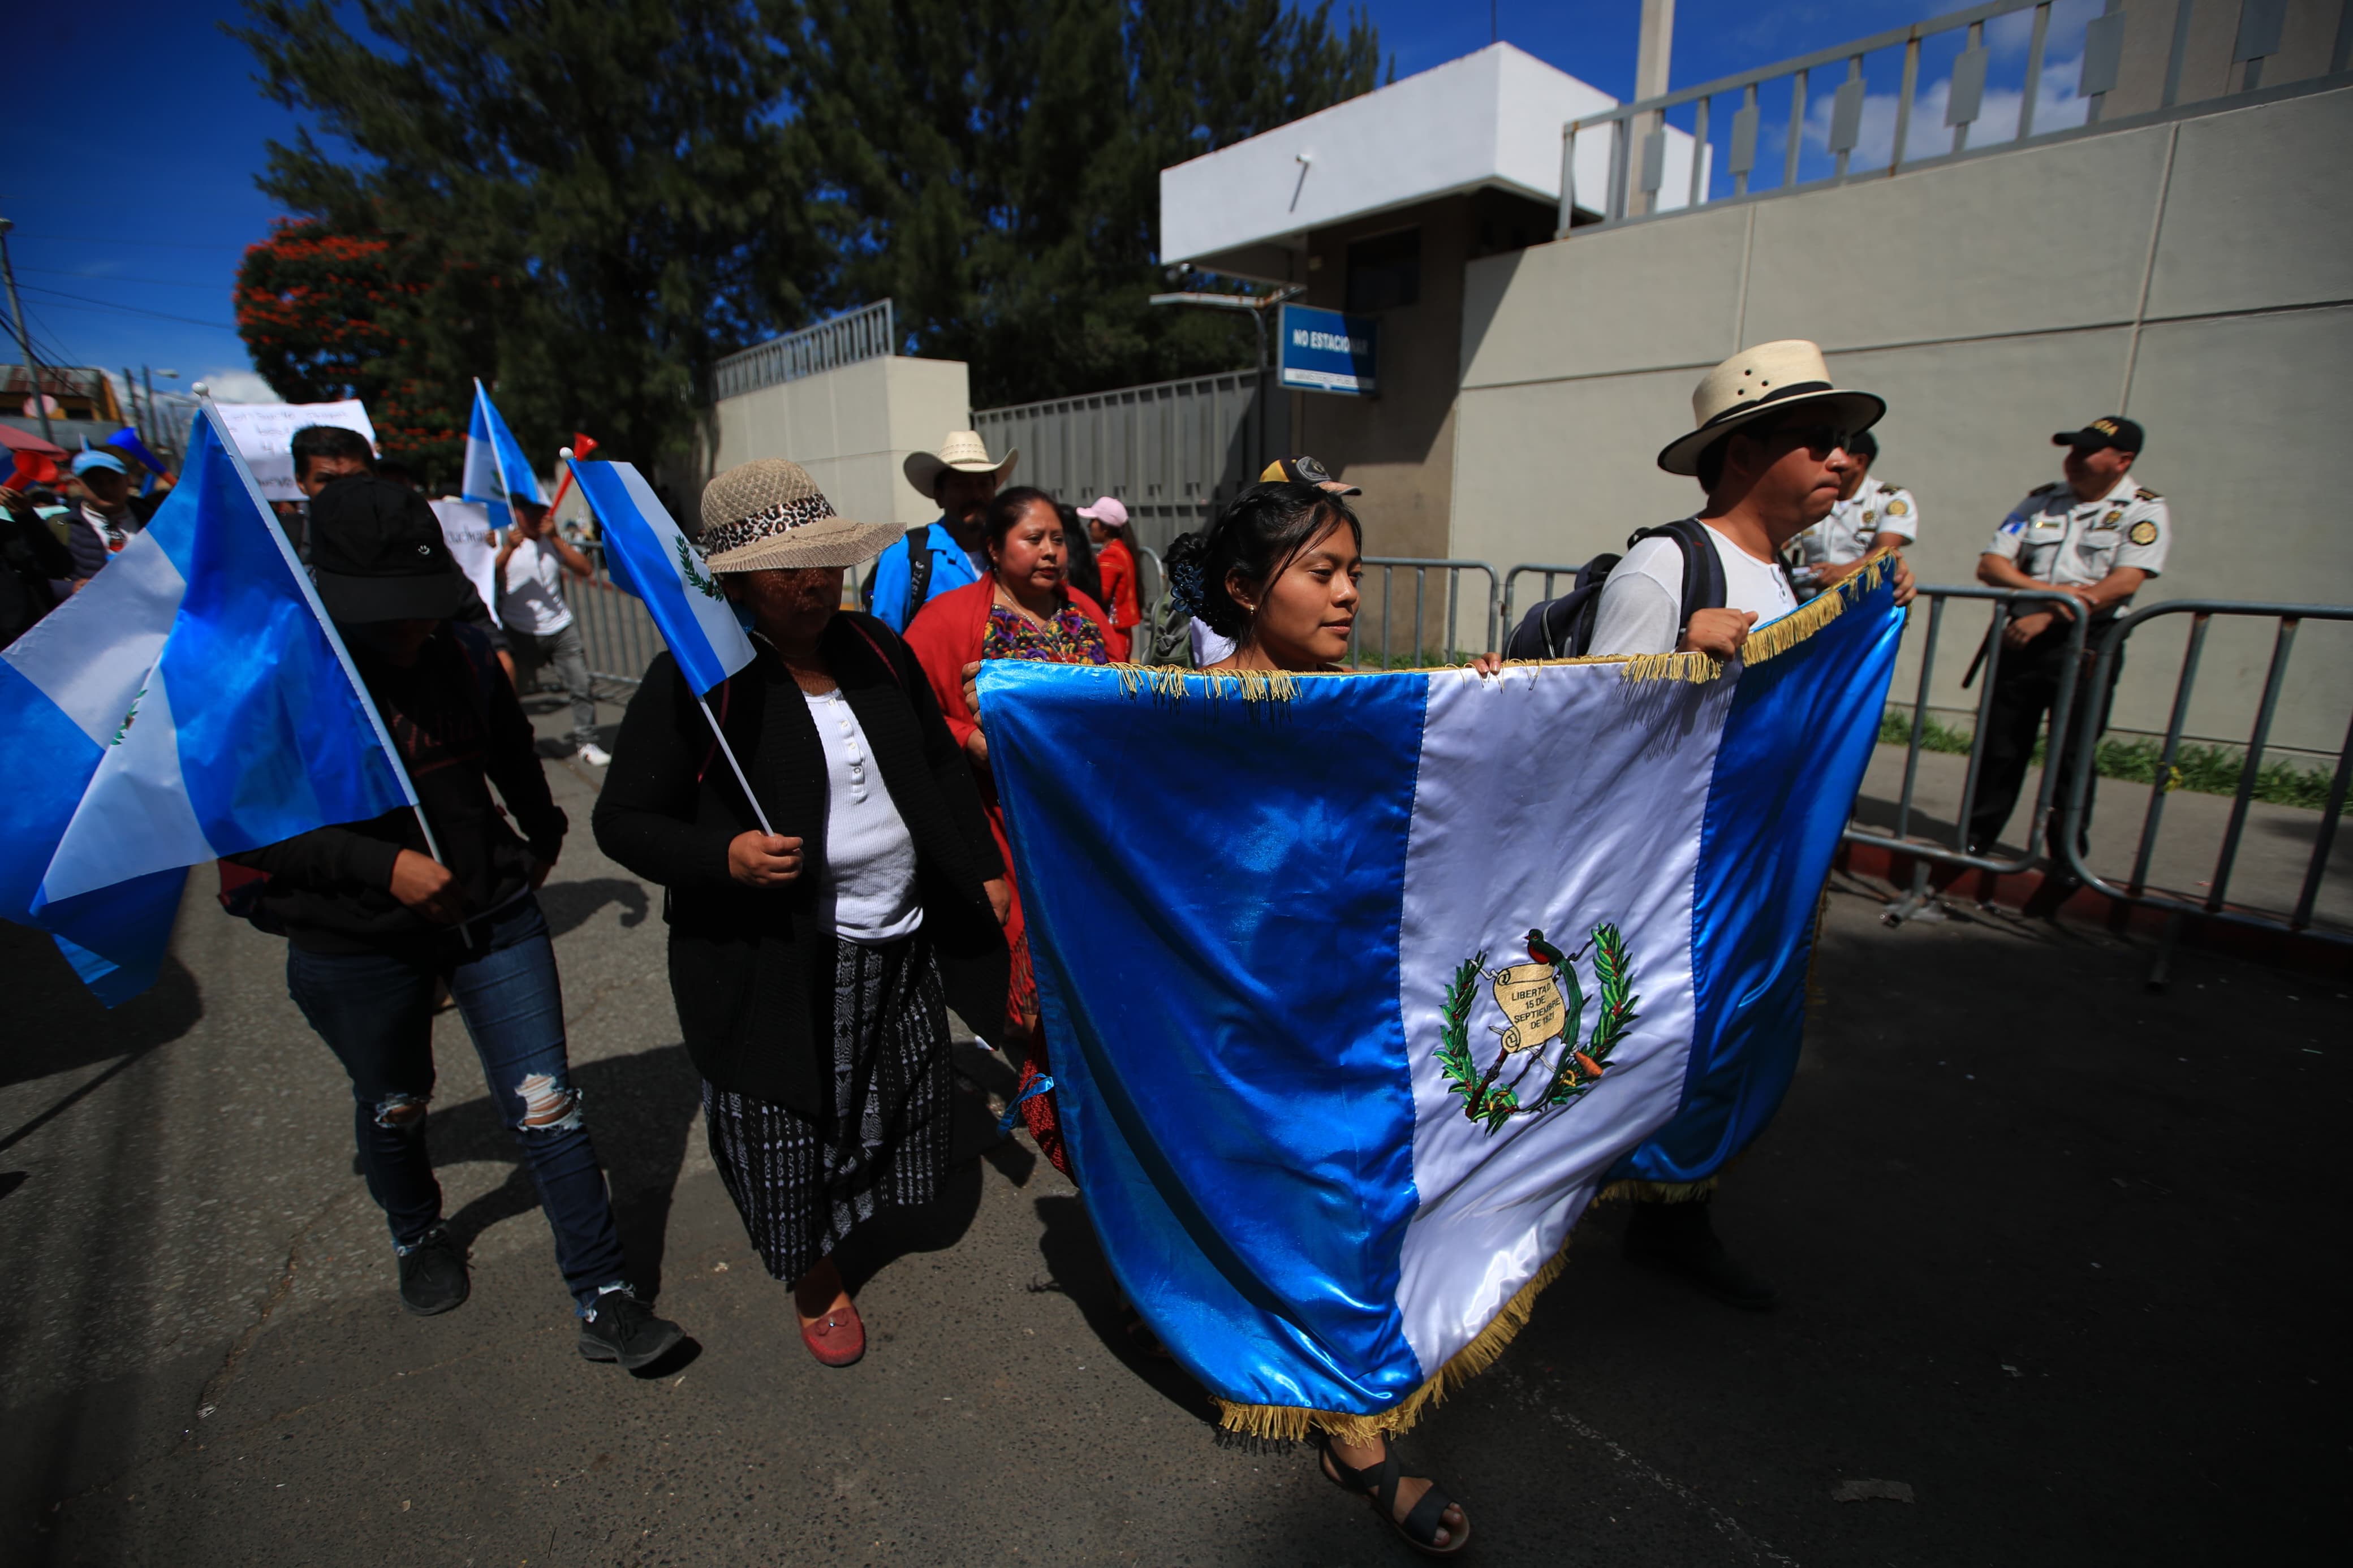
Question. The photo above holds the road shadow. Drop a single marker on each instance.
(55, 1025)
(639, 1109)
(1075, 1266)
(568, 906)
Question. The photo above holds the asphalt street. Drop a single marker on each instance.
(2062, 1267)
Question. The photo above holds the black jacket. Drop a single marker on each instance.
(459, 730)
(752, 970)
(30, 558)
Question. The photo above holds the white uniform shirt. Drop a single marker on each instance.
(870, 857)
(533, 601)
(1642, 606)
(1846, 534)
(2062, 540)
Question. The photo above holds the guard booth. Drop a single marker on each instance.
(1371, 210)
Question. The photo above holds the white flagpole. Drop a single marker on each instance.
(716, 732)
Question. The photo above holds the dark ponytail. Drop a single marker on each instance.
(1258, 533)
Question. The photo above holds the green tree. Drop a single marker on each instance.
(328, 314)
(993, 166)
(607, 189)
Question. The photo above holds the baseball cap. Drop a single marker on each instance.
(2108, 430)
(1109, 511)
(85, 461)
(1304, 470)
(378, 554)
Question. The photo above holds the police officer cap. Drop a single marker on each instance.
(2108, 430)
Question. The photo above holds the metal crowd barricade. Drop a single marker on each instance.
(2216, 905)
(1505, 623)
(1917, 900)
(618, 635)
(1449, 631)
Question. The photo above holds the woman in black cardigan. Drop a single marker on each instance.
(813, 967)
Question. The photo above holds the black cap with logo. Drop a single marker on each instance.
(2108, 430)
(1305, 472)
(377, 553)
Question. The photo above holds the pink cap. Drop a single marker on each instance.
(1107, 510)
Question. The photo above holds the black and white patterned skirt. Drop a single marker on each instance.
(803, 1184)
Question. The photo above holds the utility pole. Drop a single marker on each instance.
(1652, 47)
(32, 366)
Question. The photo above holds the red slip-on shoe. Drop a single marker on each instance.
(837, 1339)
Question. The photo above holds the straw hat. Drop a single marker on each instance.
(769, 514)
(1768, 379)
(963, 451)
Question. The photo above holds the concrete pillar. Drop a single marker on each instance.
(1653, 47)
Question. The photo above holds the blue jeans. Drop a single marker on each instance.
(374, 1010)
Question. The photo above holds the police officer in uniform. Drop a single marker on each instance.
(1870, 514)
(2097, 536)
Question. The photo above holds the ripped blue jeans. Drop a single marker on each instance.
(374, 1010)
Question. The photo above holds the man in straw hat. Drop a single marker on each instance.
(833, 890)
(1770, 444)
(962, 479)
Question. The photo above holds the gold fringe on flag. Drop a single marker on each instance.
(1171, 683)
(1291, 1423)
(1656, 1191)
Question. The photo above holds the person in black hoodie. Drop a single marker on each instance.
(377, 913)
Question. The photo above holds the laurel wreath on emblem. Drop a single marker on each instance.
(694, 575)
(129, 719)
(1542, 1002)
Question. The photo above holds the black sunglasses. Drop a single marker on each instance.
(1818, 439)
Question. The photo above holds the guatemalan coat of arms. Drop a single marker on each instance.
(1540, 1051)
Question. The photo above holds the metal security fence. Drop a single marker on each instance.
(871, 332)
(2217, 904)
(1956, 45)
(1923, 851)
(619, 638)
(1420, 622)
(1172, 451)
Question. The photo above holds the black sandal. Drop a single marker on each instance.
(1420, 1526)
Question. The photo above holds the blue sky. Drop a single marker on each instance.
(132, 195)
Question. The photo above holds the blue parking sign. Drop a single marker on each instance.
(1324, 351)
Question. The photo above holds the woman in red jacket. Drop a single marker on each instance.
(1022, 609)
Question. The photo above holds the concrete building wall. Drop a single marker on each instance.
(2197, 276)
(851, 428)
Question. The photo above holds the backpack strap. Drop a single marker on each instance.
(1704, 585)
(919, 571)
(888, 663)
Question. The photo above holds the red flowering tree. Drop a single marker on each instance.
(330, 313)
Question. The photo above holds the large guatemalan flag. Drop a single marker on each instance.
(191, 702)
(1357, 988)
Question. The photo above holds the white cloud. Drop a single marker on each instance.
(239, 386)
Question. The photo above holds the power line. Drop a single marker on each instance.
(103, 278)
(85, 302)
(165, 243)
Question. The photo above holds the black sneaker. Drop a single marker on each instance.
(625, 1329)
(1679, 1239)
(433, 1274)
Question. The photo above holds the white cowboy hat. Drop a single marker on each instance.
(1766, 379)
(769, 514)
(963, 451)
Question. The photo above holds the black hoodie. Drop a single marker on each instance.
(459, 730)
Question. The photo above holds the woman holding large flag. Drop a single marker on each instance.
(813, 966)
